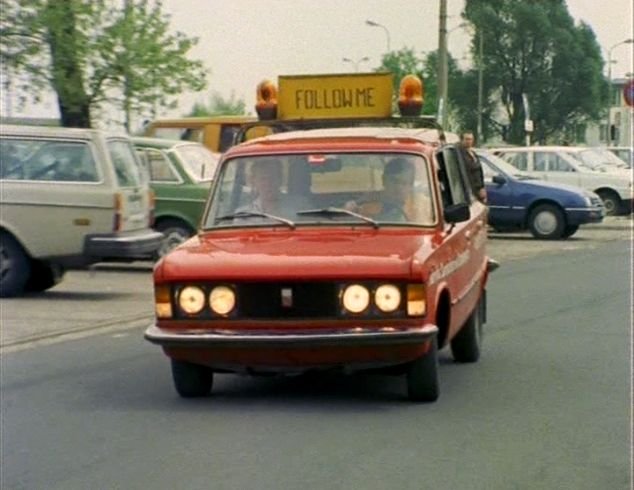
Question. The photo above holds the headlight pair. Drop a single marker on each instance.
(192, 300)
(356, 298)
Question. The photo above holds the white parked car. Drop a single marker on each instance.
(600, 160)
(558, 164)
(70, 198)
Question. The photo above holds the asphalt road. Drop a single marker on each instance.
(119, 297)
(548, 406)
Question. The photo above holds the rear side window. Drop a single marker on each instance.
(41, 160)
(126, 165)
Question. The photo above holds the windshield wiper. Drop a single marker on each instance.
(256, 214)
(334, 211)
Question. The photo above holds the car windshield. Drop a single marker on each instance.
(600, 160)
(362, 189)
(199, 162)
(495, 164)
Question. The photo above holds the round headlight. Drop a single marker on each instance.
(191, 300)
(356, 298)
(222, 300)
(387, 298)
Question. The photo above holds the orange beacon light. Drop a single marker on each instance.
(266, 104)
(410, 97)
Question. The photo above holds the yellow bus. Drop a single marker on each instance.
(216, 132)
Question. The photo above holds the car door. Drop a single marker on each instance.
(464, 241)
(499, 194)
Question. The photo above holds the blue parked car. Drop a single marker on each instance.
(519, 202)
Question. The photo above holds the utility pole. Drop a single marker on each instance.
(442, 65)
(480, 33)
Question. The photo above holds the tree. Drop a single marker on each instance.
(405, 62)
(218, 106)
(534, 50)
(96, 55)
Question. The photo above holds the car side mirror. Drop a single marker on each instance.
(499, 179)
(457, 213)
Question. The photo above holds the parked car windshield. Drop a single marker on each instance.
(127, 167)
(323, 189)
(199, 162)
(597, 159)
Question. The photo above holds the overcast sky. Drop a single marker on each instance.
(244, 41)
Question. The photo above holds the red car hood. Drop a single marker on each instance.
(295, 255)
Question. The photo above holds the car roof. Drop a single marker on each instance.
(57, 132)
(423, 135)
(162, 142)
(537, 148)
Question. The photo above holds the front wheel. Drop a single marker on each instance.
(174, 233)
(546, 222)
(611, 202)
(44, 276)
(465, 346)
(191, 380)
(422, 376)
(15, 267)
(570, 230)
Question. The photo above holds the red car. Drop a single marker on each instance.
(356, 249)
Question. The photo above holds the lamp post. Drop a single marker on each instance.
(371, 23)
(607, 125)
(355, 63)
(480, 84)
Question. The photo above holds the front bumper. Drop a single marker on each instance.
(581, 216)
(351, 337)
(125, 245)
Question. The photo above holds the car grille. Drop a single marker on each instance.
(288, 300)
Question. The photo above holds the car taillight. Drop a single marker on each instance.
(118, 212)
(152, 202)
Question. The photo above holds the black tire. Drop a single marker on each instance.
(175, 232)
(465, 346)
(547, 222)
(611, 202)
(191, 380)
(570, 230)
(15, 267)
(423, 384)
(44, 276)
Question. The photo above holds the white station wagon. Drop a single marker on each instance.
(70, 198)
(558, 164)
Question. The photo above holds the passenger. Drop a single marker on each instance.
(474, 167)
(265, 181)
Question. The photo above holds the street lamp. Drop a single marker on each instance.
(607, 126)
(355, 63)
(371, 23)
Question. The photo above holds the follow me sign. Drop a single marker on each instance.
(335, 96)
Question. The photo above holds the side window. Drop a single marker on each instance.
(518, 160)
(453, 178)
(540, 161)
(159, 167)
(48, 161)
(558, 164)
